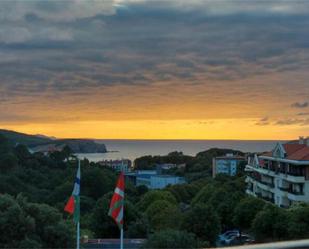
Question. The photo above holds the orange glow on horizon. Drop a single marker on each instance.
(238, 129)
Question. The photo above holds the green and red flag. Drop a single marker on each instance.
(73, 204)
(117, 203)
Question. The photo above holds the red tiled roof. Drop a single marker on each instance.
(292, 148)
(301, 154)
(297, 152)
(267, 153)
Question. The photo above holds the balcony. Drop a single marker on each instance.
(269, 199)
(271, 185)
(268, 184)
(261, 184)
(295, 192)
(250, 192)
(293, 178)
(260, 170)
(291, 191)
(296, 197)
(284, 189)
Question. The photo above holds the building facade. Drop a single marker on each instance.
(123, 165)
(162, 181)
(227, 164)
(282, 175)
(152, 180)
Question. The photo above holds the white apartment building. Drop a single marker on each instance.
(227, 164)
(282, 175)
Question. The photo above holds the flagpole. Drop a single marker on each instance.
(78, 236)
(121, 238)
(78, 224)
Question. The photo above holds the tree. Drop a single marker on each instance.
(15, 226)
(4, 145)
(163, 214)
(8, 161)
(138, 229)
(29, 225)
(171, 239)
(29, 243)
(22, 152)
(144, 163)
(299, 222)
(149, 162)
(54, 233)
(183, 192)
(12, 185)
(67, 151)
(224, 200)
(271, 223)
(204, 195)
(57, 235)
(246, 211)
(58, 157)
(97, 182)
(101, 224)
(141, 190)
(203, 221)
(153, 196)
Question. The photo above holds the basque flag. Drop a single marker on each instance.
(73, 204)
(117, 202)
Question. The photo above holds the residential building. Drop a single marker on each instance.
(123, 165)
(165, 167)
(161, 181)
(140, 177)
(282, 175)
(227, 164)
(152, 179)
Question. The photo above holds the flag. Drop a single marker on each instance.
(117, 202)
(73, 204)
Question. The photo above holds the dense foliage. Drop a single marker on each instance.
(32, 225)
(171, 239)
(35, 187)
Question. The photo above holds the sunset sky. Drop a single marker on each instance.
(151, 69)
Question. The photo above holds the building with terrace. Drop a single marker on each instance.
(282, 175)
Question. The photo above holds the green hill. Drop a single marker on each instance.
(43, 143)
(21, 138)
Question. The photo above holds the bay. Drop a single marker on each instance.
(132, 149)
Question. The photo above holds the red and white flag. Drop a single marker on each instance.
(72, 206)
(116, 207)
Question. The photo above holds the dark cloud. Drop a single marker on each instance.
(263, 122)
(199, 49)
(303, 114)
(300, 105)
(291, 121)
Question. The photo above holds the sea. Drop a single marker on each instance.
(132, 149)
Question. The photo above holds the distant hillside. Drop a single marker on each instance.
(43, 143)
(21, 138)
(76, 145)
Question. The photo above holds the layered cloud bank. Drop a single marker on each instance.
(65, 62)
